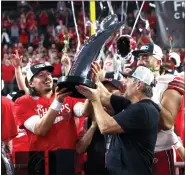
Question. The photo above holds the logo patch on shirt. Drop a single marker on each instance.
(35, 97)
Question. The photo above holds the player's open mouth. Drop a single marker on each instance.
(48, 82)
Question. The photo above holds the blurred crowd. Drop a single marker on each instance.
(40, 35)
(39, 45)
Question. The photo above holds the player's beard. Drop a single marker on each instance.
(48, 89)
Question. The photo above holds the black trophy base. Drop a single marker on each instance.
(70, 82)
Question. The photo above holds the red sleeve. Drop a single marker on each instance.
(178, 84)
(9, 128)
(24, 109)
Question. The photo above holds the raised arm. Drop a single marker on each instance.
(16, 62)
(86, 135)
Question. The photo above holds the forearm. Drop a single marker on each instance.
(45, 123)
(105, 96)
(85, 141)
(103, 119)
(20, 80)
(87, 108)
(169, 105)
(166, 121)
(181, 152)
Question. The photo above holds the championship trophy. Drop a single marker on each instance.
(80, 73)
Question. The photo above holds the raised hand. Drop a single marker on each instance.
(16, 60)
(65, 60)
(98, 74)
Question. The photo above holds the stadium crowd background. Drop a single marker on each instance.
(38, 30)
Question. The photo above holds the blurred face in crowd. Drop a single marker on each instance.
(6, 60)
(61, 22)
(148, 61)
(42, 82)
(30, 50)
(10, 50)
(15, 45)
(25, 60)
(54, 54)
(53, 46)
(20, 45)
(5, 47)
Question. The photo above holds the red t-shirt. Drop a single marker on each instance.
(32, 24)
(43, 18)
(152, 21)
(8, 73)
(23, 38)
(9, 128)
(61, 135)
(20, 142)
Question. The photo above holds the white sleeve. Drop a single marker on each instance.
(77, 109)
(31, 122)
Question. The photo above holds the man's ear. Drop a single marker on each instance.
(30, 84)
(140, 84)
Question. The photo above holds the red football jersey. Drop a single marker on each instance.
(9, 128)
(61, 135)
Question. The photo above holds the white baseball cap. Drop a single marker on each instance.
(143, 74)
(36, 68)
(150, 49)
(176, 58)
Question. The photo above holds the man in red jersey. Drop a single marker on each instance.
(168, 94)
(48, 120)
(9, 131)
(9, 128)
